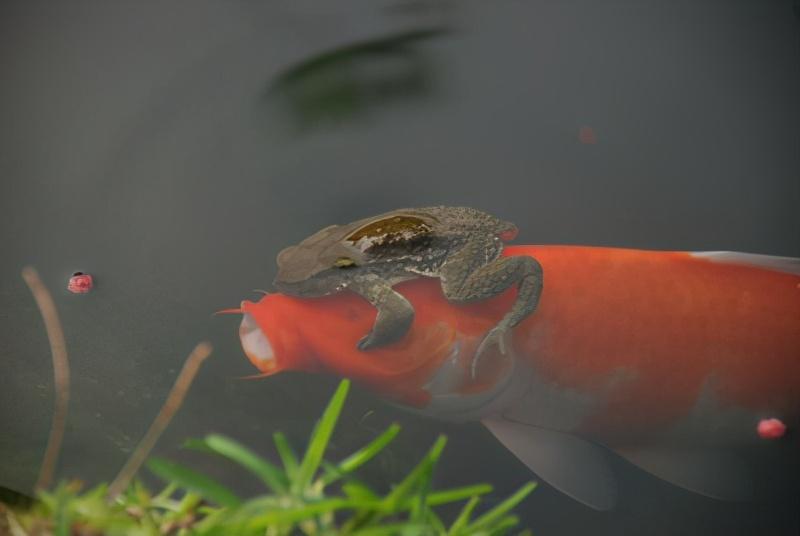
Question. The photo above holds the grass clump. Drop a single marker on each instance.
(304, 495)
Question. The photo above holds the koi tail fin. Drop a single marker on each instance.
(789, 265)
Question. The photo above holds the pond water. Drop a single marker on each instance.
(172, 150)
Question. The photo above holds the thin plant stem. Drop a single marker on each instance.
(172, 404)
(58, 349)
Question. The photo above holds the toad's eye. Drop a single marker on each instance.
(344, 262)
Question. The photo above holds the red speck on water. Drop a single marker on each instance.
(587, 136)
(80, 283)
(771, 428)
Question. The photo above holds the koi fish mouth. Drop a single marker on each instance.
(256, 345)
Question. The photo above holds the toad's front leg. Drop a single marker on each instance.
(395, 313)
(476, 272)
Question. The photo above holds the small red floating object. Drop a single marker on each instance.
(587, 136)
(80, 283)
(771, 428)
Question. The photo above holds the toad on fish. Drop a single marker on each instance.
(459, 245)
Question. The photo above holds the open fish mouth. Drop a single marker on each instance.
(256, 345)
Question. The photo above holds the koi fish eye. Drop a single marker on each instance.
(344, 262)
(255, 343)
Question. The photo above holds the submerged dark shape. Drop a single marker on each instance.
(344, 82)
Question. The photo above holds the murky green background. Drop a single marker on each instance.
(166, 149)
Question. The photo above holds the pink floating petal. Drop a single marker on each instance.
(587, 136)
(80, 283)
(771, 428)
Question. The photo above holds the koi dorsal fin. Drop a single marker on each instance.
(789, 265)
(570, 464)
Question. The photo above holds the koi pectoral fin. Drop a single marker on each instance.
(720, 475)
(572, 465)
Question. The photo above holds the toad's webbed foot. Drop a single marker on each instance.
(467, 277)
(496, 343)
(395, 313)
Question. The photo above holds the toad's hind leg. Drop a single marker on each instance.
(465, 280)
(395, 313)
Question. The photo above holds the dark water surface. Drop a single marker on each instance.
(150, 145)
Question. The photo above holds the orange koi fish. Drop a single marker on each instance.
(667, 358)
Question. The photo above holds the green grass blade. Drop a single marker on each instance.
(299, 513)
(398, 496)
(359, 492)
(240, 454)
(61, 514)
(167, 492)
(287, 455)
(254, 507)
(437, 498)
(191, 480)
(198, 445)
(503, 525)
(463, 517)
(419, 504)
(189, 502)
(319, 439)
(397, 529)
(496, 513)
(332, 473)
(214, 523)
(363, 455)
(363, 518)
(436, 523)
